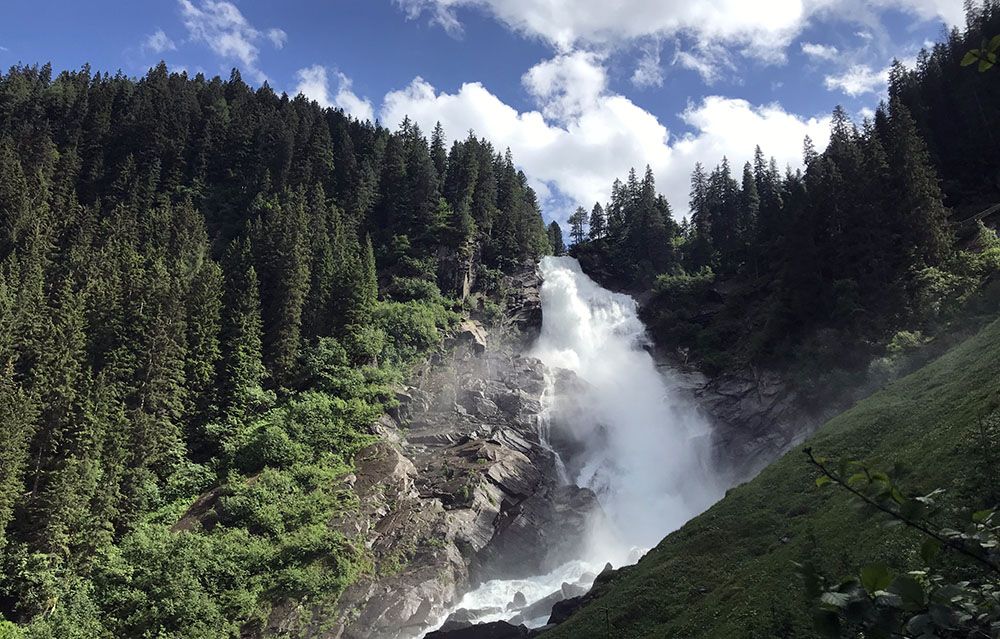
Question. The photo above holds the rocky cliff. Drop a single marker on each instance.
(460, 487)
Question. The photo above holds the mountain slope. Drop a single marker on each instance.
(729, 573)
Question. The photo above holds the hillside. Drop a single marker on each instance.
(729, 572)
(208, 293)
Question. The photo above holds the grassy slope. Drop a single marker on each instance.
(729, 574)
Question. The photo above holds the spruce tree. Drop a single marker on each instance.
(242, 371)
(598, 223)
(556, 239)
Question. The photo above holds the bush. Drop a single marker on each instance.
(409, 289)
(412, 328)
(267, 444)
(683, 284)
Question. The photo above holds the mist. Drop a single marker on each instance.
(627, 433)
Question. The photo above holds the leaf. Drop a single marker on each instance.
(970, 58)
(984, 65)
(876, 577)
(910, 590)
(822, 480)
(982, 516)
(835, 599)
(857, 478)
(929, 550)
(994, 44)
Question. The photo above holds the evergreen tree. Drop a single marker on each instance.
(597, 222)
(576, 223)
(242, 370)
(556, 239)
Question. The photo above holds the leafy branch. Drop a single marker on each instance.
(891, 501)
(985, 55)
(919, 604)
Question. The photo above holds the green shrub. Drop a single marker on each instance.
(409, 289)
(684, 284)
(412, 328)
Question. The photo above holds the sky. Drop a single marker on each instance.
(579, 90)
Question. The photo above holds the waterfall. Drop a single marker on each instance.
(623, 429)
(642, 447)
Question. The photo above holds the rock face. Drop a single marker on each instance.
(459, 488)
(755, 415)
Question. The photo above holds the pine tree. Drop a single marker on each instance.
(702, 251)
(598, 225)
(919, 211)
(438, 154)
(556, 239)
(576, 223)
(242, 372)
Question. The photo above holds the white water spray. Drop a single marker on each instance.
(635, 441)
(643, 446)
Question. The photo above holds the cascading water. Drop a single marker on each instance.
(642, 447)
(631, 439)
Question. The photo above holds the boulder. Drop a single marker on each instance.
(519, 601)
(562, 610)
(473, 334)
(463, 618)
(495, 630)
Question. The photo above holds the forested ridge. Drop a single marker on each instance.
(209, 289)
(866, 253)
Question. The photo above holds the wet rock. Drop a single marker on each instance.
(563, 610)
(519, 601)
(463, 618)
(495, 630)
(570, 591)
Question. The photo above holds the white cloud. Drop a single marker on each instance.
(858, 79)
(221, 26)
(761, 30)
(158, 42)
(820, 51)
(648, 72)
(710, 61)
(277, 37)
(592, 138)
(567, 85)
(314, 83)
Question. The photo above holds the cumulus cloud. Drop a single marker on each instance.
(314, 83)
(592, 136)
(820, 51)
(221, 26)
(761, 30)
(567, 85)
(857, 80)
(158, 42)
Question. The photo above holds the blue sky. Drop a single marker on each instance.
(579, 89)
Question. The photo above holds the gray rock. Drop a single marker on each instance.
(495, 630)
(519, 601)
